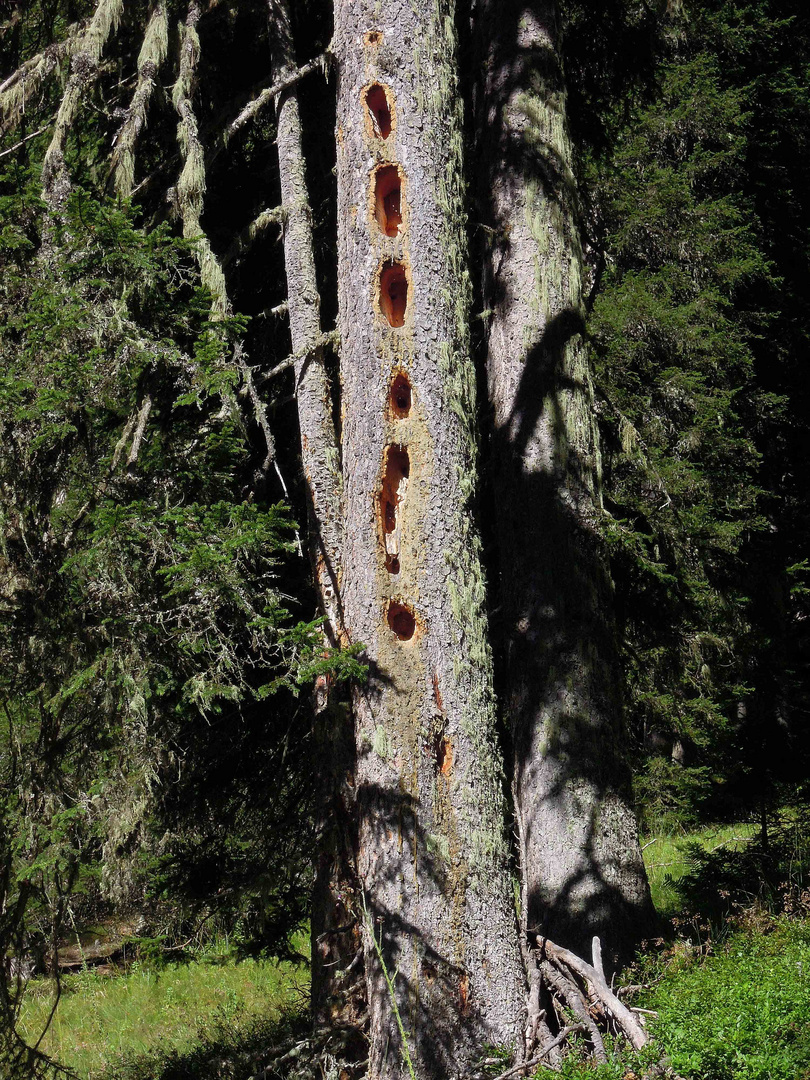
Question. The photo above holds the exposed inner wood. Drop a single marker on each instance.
(396, 471)
(394, 293)
(379, 110)
(401, 620)
(399, 397)
(388, 199)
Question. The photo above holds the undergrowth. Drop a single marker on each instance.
(210, 1018)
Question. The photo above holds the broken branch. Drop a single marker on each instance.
(271, 92)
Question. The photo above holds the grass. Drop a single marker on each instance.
(667, 861)
(104, 1021)
(742, 1013)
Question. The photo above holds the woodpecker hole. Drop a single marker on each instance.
(373, 37)
(394, 486)
(379, 110)
(394, 293)
(399, 397)
(401, 620)
(392, 564)
(388, 199)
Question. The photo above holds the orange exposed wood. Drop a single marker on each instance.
(401, 620)
(379, 110)
(388, 199)
(399, 396)
(394, 293)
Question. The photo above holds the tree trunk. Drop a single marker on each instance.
(558, 664)
(433, 855)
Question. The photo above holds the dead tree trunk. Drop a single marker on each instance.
(433, 857)
(581, 864)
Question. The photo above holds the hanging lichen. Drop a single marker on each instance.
(83, 70)
(152, 54)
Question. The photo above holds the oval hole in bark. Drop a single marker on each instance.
(395, 482)
(394, 293)
(401, 620)
(379, 110)
(400, 396)
(392, 564)
(388, 199)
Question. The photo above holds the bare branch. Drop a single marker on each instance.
(565, 989)
(19, 87)
(325, 341)
(27, 138)
(624, 1018)
(191, 185)
(137, 439)
(274, 312)
(83, 70)
(151, 57)
(257, 104)
(259, 411)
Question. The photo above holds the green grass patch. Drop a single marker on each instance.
(667, 860)
(107, 1025)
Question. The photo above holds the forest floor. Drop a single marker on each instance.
(726, 989)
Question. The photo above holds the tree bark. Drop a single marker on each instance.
(433, 856)
(558, 663)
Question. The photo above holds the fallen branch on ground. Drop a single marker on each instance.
(592, 974)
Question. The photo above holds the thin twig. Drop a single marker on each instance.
(28, 138)
(537, 1059)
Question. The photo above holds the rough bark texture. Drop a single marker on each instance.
(433, 856)
(581, 863)
(335, 926)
